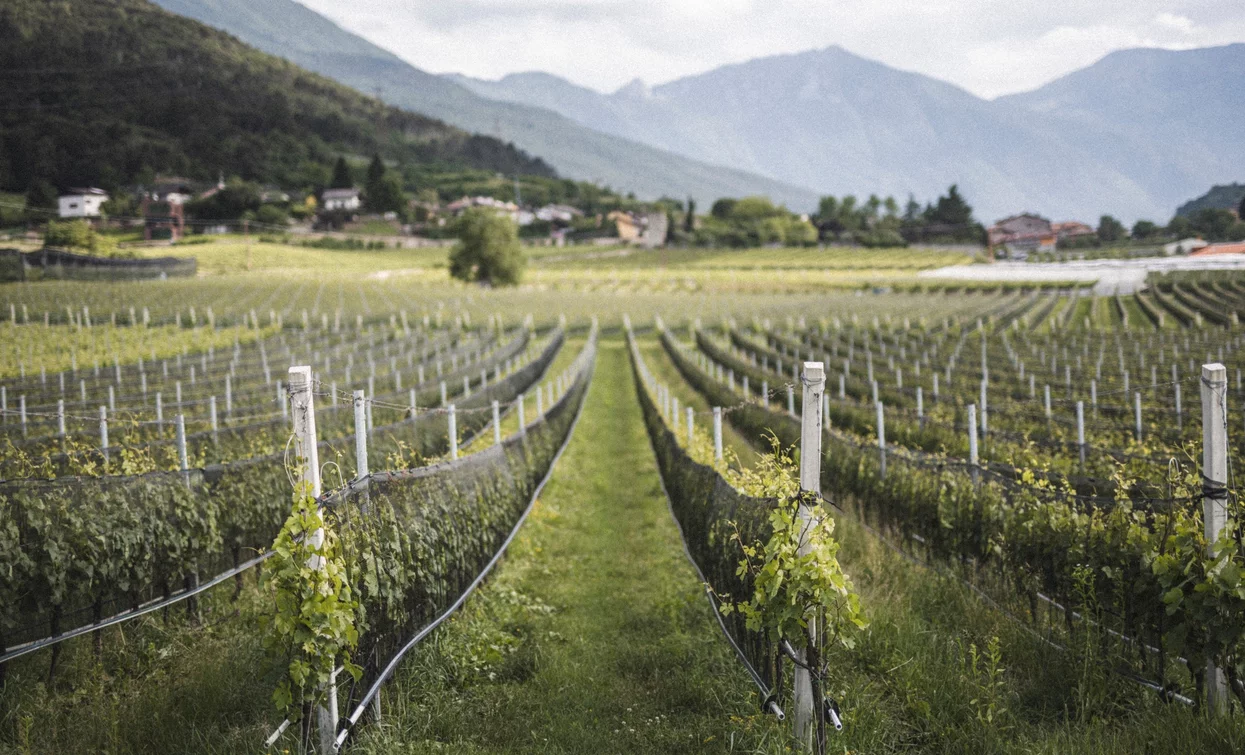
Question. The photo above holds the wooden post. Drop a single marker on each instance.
(360, 434)
(810, 480)
(1214, 503)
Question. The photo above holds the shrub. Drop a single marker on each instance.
(488, 249)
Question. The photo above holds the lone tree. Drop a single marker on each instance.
(488, 250)
(342, 178)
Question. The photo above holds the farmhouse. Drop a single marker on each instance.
(1235, 247)
(341, 199)
(81, 203)
(1184, 246)
(1072, 229)
(1021, 234)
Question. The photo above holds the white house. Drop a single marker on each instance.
(341, 199)
(81, 203)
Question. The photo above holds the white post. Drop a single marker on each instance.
(496, 422)
(21, 407)
(972, 440)
(1137, 412)
(791, 400)
(453, 433)
(717, 433)
(103, 431)
(160, 411)
(360, 434)
(305, 443)
(984, 424)
(60, 417)
(920, 408)
(182, 457)
(690, 436)
(1214, 502)
(881, 426)
(212, 411)
(810, 480)
(522, 421)
(1080, 429)
(306, 448)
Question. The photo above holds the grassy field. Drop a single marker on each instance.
(595, 635)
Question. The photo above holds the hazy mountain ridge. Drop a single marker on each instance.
(292, 31)
(1134, 134)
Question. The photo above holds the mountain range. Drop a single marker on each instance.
(1132, 135)
(298, 34)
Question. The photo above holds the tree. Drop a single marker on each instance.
(952, 209)
(488, 250)
(912, 210)
(1213, 224)
(722, 208)
(1110, 230)
(40, 201)
(689, 222)
(342, 178)
(375, 170)
(1240, 210)
(384, 194)
(1144, 229)
(1179, 227)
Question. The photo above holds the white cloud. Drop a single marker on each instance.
(985, 46)
(1181, 24)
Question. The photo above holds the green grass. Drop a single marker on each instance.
(594, 636)
(157, 687)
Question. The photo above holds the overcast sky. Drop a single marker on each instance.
(989, 47)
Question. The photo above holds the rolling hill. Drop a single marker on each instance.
(113, 91)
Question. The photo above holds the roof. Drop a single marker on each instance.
(85, 192)
(340, 193)
(1236, 247)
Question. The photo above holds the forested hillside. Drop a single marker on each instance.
(110, 92)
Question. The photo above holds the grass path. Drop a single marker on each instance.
(594, 636)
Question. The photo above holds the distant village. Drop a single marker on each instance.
(163, 211)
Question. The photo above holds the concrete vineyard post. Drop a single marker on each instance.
(496, 423)
(360, 434)
(1137, 413)
(180, 431)
(1215, 494)
(791, 400)
(103, 431)
(453, 433)
(972, 442)
(306, 447)
(717, 433)
(814, 382)
(522, 420)
(690, 437)
(1080, 430)
(920, 408)
(60, 417)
